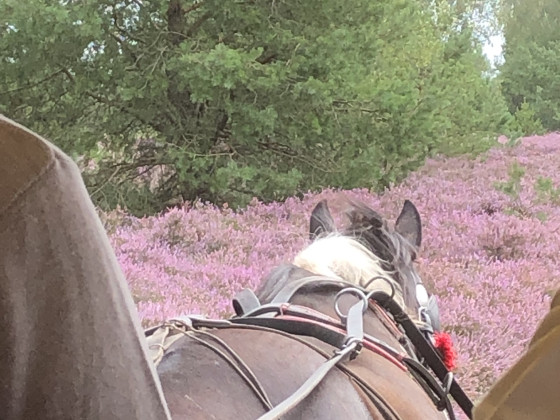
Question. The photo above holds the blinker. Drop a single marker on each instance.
(428, 307)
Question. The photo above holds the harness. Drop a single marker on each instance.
(346, 335)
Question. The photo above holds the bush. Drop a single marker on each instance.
(176, 101)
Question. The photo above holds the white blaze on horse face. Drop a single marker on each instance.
(422, 295)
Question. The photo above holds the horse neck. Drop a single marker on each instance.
(319, 300)
(375, 324)
(277, 279)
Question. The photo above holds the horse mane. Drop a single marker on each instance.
(368, 247)
(346, 258)
(369, 227)
(278, 278)
(395, 252)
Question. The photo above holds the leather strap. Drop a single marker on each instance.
(332, 335)
(425, 349)
(387, 411)
(430, 385)
(420, 342)
(310, 384)
(351, 347)
(245, 301)
(288, 291)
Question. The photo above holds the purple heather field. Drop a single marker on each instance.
(490, 251)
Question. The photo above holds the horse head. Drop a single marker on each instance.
(367, 247)
(284, 329)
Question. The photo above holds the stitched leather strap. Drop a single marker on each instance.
(351, 346)
(288, 291)
(245, 301)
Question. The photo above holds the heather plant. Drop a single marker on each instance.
(546, 190)
(493, 271)
(513, 184)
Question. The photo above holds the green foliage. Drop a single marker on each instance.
(531, 71)
(547, 192)
(512, 186)
(176, 100)
(525, 122)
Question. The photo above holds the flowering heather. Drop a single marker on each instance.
(490, 250)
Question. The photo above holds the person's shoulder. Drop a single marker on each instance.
(556, 299)
(551, 321)
(24, 158)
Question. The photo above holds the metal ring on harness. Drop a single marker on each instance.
(389, 282)
(354, 291)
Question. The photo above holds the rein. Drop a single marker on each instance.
(425, 348)
(351, 341)
(161, 337)
(345, 335)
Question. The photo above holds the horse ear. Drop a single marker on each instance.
(409, 224)
(321, 220)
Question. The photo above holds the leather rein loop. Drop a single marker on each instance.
(427, 351)
(351, 349)
(271, 315)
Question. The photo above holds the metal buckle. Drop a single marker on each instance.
(353, 321)
(354, 291)
(447, 382)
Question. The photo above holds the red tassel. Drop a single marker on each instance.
(444, 345)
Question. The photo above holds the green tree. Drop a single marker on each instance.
(531, 72)
(226, 100)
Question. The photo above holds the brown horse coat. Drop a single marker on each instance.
(199, 384)
(71, 345)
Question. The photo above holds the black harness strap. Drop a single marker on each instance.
(388, 412)
(190, 329)
(289, 290)
(416, 337)
(290, 326)
(432, 388)
(317, 329)
(425, 349)
(245, 301)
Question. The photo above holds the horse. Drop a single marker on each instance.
(62, 291)
(297, 346)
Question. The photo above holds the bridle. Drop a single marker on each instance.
(415, 335)
(346, 335)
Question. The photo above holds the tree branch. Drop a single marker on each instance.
(196, 26)
(193, 7)
(266, 59)
(124, 31)
(32, 85)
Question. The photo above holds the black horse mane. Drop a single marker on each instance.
(396, 252)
